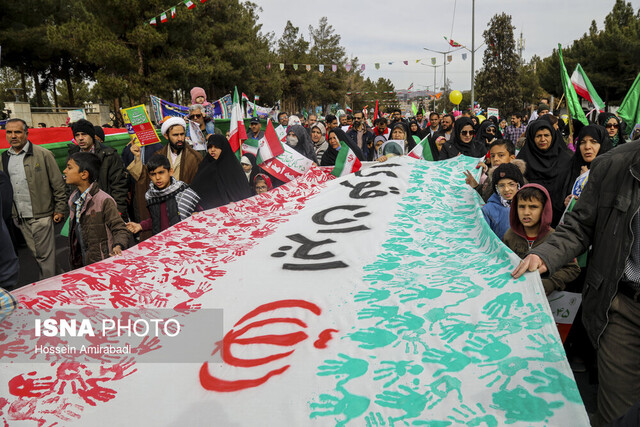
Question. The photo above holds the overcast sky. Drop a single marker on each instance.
(404, 28)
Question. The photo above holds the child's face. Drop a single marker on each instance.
(500, 155)
(200, 100)
(72, 174)
(529, 212)
(261, 186)
(161, 177)
(246, 168)
(507, 188)
(214, 151)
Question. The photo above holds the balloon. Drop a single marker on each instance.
(455, 97)
(481, 118)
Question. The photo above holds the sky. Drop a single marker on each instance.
(401, 33)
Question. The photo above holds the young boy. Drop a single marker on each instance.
(169, 201)
(96, 230)
(508, 179)
(501, 151)
(530, 219)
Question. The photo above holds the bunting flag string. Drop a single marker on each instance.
(349, 67)
(189, 4)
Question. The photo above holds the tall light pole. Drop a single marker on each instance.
(446, 86)
(434, 81)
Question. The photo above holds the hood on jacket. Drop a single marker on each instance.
(519, 163)
(545, 219)
(196, 92)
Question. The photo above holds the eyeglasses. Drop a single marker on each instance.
(506, 185)
(195, 116)
(612, 126)
(467, 132)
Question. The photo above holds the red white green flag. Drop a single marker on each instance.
(153, 22)
(163, 17)
(190, 5)
(270, 145)
(245, 97)
(422, 150)
(347, 162)
(585, 89)
(237, 133)
(173, 12)
(251, 146)
(453, 43)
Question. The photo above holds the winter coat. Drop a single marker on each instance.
(46, 187)
(497, 215)
(113, 177)
(486, 188)
(99, 231)
(516, 239)
(600, 223)
(367, 138)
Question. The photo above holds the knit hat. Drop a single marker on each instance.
(84, 126)
(171, 122)
(99, 132)
(542, 107)
(507, 171)
(196, 92)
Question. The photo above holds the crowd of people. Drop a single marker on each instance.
(532, 173)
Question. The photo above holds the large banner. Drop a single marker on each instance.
(219, 109)
(380, 298)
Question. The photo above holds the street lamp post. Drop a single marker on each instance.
(446, 86)
(434, 82)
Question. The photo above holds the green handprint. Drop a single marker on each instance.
(507, 368)
(500, 306)
(375, 420)
(385, 261)
(420, 292)
(553, 381)
(510, 324)
(454, 331)
(486, 420)
(537, 320)
(383, 312)
(349, 405)
(492, 348)
(373, 338)
(551, 348)
(373, 295)
(349, 366)
(378, 276)
(406, 322)
(520, 405)
(412, 340)
(443, 386)
(411, 402)
(396, 370)
(453, 361)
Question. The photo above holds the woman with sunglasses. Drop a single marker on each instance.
(462, 141)
(612, 123)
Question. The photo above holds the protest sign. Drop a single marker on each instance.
(564, 306)
(492, 112)
(75, 115)
(137, 120)
(198, 141)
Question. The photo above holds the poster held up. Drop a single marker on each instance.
(137, 121)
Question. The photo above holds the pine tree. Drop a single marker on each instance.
(497, 83)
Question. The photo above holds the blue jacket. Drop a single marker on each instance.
(496, 215)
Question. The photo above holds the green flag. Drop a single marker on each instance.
(629, 110)
(573, 103)
(414, 109)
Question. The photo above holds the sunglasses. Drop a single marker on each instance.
(195, 116)
(467, 132)
(612, 125)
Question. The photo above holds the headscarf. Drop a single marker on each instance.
(483, 136)
(596, 132)
(408, 140)
(455, 145)
(620, 137)
(329, 156)
(220, 181)
(548, 167)
(323, 132)
(255, 169)
(266, 179)
(374, 150)
(304, 145)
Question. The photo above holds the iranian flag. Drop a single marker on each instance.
(422, 150)
(287, 166)
(270, 145)
(153, 22)
(347, 162)
(237, 133)
(245, 97)
(163, 17)
(190, 5)
(453, 43)
(251, 146)
(585, 89)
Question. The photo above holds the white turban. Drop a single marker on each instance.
(171, 122)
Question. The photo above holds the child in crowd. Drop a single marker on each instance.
(96, 230)
(262, 184)
(500, 151)
(508, 179)
(530, 220)
(169, 201)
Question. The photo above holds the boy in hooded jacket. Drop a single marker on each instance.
(530, 219)
(507, 179)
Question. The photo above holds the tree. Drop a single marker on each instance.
(497, 81)
(326, 49)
